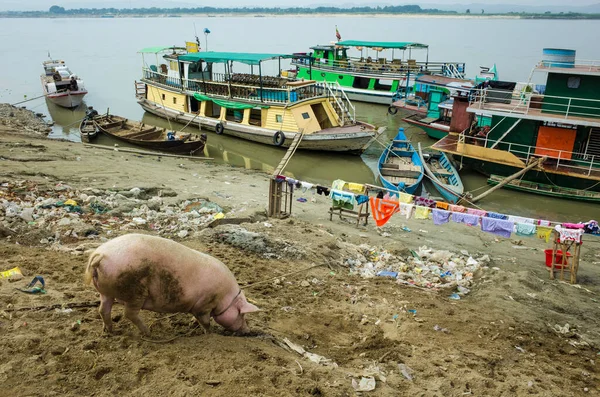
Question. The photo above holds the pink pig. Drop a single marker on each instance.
(153, 273)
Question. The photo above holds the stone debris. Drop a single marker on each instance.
(19, 119)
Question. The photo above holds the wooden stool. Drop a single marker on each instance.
(565, 247)
(361, 214)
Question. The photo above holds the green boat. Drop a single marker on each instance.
(547, 190)
(373, 76)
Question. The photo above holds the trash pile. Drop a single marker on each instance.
(86, 213)
(426, 267)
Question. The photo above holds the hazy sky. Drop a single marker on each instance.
(46, 4)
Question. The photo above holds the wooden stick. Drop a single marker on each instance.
(56, 306)
(135, 151)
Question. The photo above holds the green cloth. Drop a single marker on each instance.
(243, 57)
(226, 104)
(402, 45)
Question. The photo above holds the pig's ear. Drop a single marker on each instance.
(248, 308)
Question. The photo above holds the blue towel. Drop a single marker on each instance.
(342, 199)
(361, 199)
(500, 227)
(525, 229)
(440, 216)
(467, 219)
(496, 215)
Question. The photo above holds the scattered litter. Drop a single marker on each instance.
(462, 290)
(406, 229)
(519, 348)
(366, 383)
(267, 224)
(412, 311)
(406, 371)
(423, 231)
(455, 296)
(301, 199)
(438, 328)
(387, 273)
(310, 356)
(32, 289)
(64, 311)
(13, 274)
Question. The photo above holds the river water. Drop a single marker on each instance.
(103, 52)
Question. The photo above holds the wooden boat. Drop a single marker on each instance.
(200, 88)
(547, 190)
(400, 166)
(149, 136)
(443, 175)
(61, 86)
(88, 130)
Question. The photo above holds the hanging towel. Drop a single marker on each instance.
(338, 184)
(279, 178)
(440, 216)
(569, 234)
(356, 187)
(291, 182)
(405, 198)
(473, 211)
(497, 216)
(322, 190)
(442, 205)
(520, 219)
(525, 229)
(390, 196)
(383, 210)
(456, 208)
(544, 232)
(406, 209)
(569, 225)
(342, 199)
(543, 223)
(307, 186)
(500, 227)
(467, 219)
(361, 198)
(424, 202)
(422, 212)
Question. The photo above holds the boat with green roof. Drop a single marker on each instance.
(382, 69)
(254, 102)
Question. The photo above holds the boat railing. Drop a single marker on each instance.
(581, 163)
(528, 102)
(580, 65)
(385, 66)
(341, 103)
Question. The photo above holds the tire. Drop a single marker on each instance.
(219, 128)
(278, 138)
(392, 110)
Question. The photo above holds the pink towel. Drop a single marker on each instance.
(473, 211)
(573, 225)
(457, 208)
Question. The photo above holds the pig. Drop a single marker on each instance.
(153, 273)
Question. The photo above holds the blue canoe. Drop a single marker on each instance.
(400, 167)
(443, 175)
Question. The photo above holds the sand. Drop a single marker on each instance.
(500, 339)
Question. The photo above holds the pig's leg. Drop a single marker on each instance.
(132, 312)
(204, 320)
(106, 303)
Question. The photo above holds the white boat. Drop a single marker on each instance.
(61, 86)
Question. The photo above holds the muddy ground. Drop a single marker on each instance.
(507, 337)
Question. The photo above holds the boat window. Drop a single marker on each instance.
(383, 84)
(305, 115)
(279, 118)
(164, 97)
(174, 101)
(573, 82)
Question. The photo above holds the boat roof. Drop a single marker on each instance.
(156, 50)
(249, 58)
(444, 81)
(402, 45)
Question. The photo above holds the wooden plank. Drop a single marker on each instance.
(400, 173)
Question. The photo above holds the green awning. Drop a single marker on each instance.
(243, 57)
(226, 104)
(401, 45)
(156, 50)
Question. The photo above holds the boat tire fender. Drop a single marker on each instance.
(278, 138)
(392, 110)
(219, 128)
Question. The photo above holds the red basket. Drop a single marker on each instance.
(559, 258)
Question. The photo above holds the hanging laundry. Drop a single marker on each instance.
(380, 194)
(422, 212)
(424, 202)
(456, 208)
(569, 234)
(298, 184)
(525, 229)
(543, 223)
(291, 182)
(383, 210)
(405, 198)
(440, 216)
(520, 219)
(544, 232)
(322, 190)
(356, 187)
(342, 199)
(495, 215)
(497, 226)
(573, 225)
(406, 209)
(467, 219)
(390, 196)
(307, 186)
(279, 178)
(361, 199)
(592, 227)
(474, 211)
(442, 205)
(338, 184)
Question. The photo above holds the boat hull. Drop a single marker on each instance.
(67, 100)
(432, 131)
(548, 190)
(342, 139)
(88, 131)
(402, 150)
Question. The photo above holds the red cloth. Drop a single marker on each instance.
(383, 210)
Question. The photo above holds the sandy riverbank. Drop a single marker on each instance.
(499, 339)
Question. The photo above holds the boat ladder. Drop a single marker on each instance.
(140, 90)
(451, 71)
(341, 103)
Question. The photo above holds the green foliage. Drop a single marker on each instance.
(57, 10)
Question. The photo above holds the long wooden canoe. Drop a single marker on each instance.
(547, 190)
(443, 175)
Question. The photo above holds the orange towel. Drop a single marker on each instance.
(383, 210)
(442, 205)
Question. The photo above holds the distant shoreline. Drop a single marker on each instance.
(318, 15)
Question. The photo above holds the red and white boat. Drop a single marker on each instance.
(60, 86)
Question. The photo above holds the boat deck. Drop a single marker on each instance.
(400, 170)
(449, 144)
